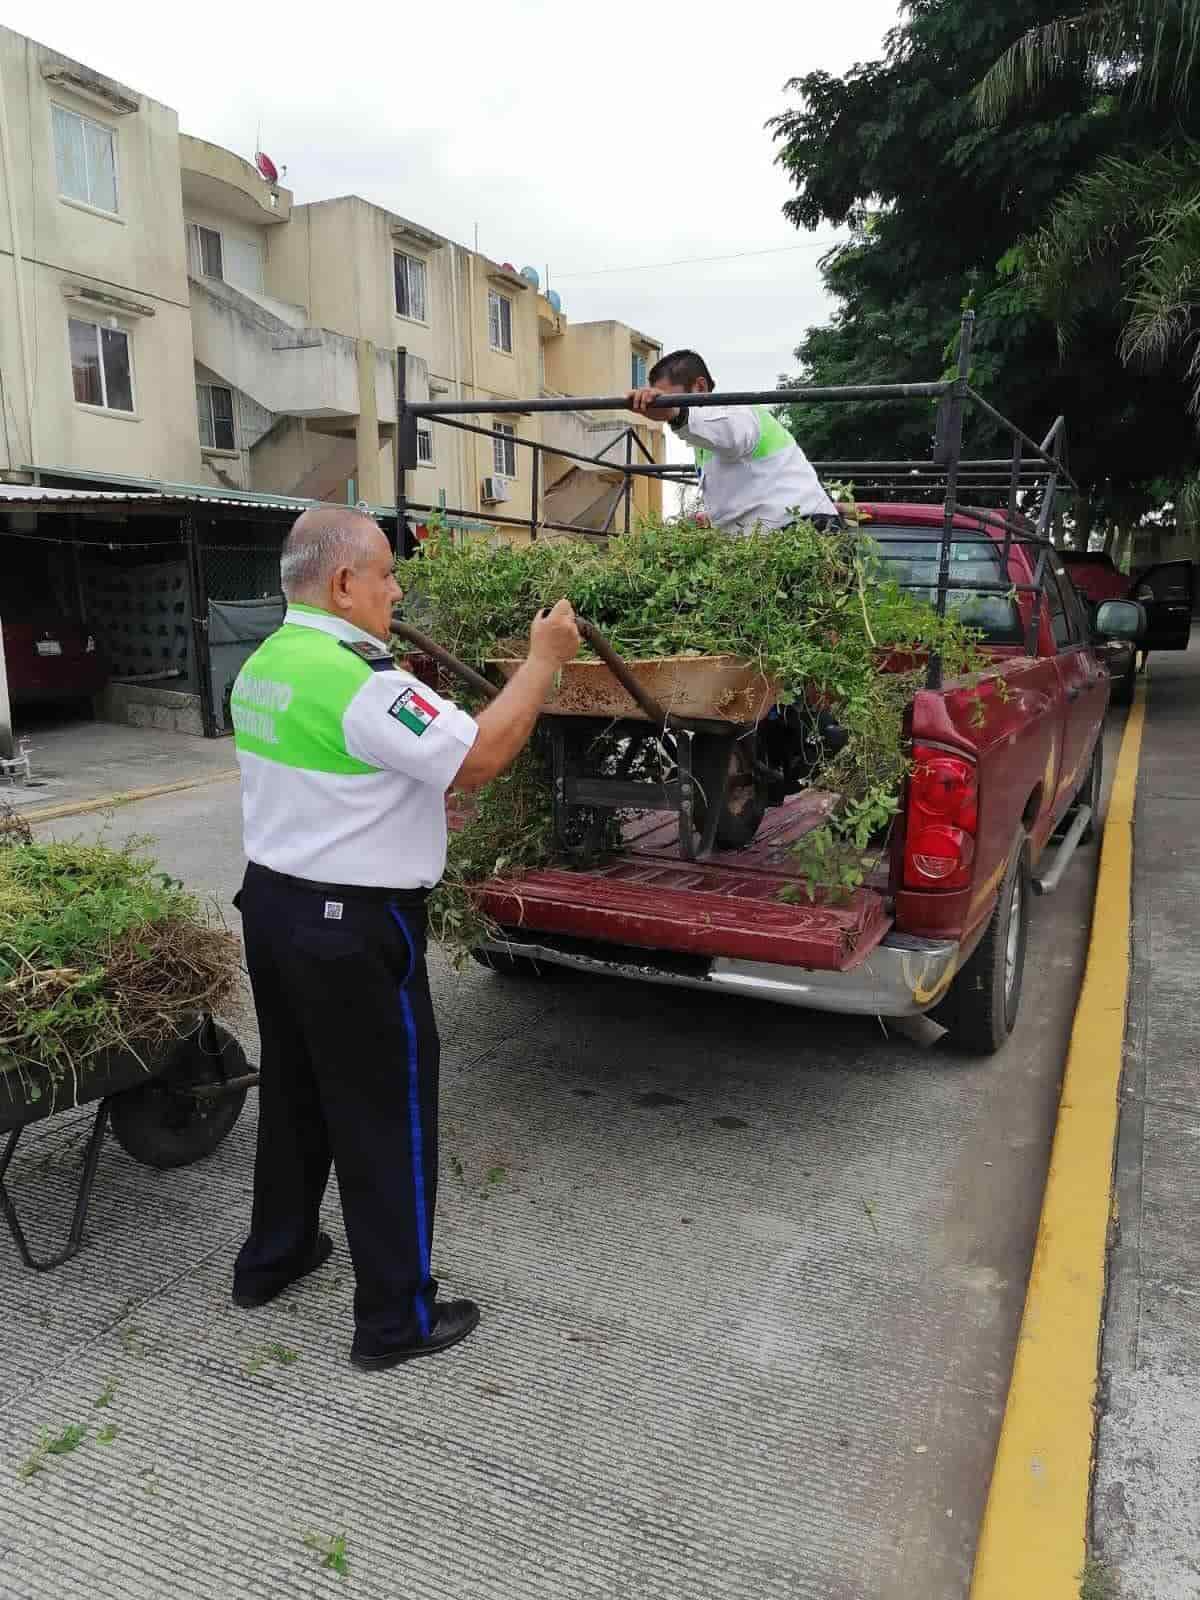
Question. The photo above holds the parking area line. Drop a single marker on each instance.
(124, 797)
(1034, 1533)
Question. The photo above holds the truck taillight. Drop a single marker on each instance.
(943, 815)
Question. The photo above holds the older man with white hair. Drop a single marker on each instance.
(345, 763)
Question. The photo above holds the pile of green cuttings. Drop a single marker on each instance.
(812, 609)
(808, 606)
(99, 950)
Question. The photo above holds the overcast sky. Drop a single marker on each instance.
(632, 139)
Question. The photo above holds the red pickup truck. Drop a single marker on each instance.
(1000, 763)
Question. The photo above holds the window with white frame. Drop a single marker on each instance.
(424, 444)
(638, 372)
(504, 451)
(499, 321)
(214, 406)
(410, 286)
(85, 156)
(208, 255)
(101, 372)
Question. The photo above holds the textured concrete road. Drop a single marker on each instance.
(76, 761)
(751, 1280)
(1147, 1503)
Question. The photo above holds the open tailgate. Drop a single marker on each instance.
(648, 898)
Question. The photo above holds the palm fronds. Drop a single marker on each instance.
(1131, 227)
(1150, 47)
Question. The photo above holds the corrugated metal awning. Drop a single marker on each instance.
(30, 497)
(16, 496)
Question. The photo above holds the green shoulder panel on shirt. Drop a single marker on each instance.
(290, 697)
(772, 435)
(772, 438)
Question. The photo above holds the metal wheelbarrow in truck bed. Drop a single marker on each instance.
(670, 734)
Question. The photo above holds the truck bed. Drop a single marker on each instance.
(647, 897)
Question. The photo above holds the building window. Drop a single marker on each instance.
(410, 286)
(207, 255)
(638, 373)
(424, 444)
(214, 404)
(504, 451)
(85, 154)
(242, 263)
(499, 321)
(100, 368)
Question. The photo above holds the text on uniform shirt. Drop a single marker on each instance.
(266, 696)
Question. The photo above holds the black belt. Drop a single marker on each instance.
(411, 898)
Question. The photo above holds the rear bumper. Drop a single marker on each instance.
(902, 977)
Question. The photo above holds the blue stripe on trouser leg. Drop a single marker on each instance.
(416, 1140)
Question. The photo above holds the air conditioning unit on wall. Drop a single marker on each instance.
(495, 490)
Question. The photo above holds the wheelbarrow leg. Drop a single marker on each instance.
(687, 794)
(82, 1199)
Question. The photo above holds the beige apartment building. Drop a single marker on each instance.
(168, 314)
(307, 340)
(95, 328)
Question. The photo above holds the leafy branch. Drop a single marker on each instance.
(814, 611)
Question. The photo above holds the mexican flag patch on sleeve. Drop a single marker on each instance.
(414, 711)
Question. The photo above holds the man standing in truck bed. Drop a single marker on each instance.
(753, 474)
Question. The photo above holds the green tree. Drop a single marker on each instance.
(1137, 49)
(939, 209)
(1127, 234)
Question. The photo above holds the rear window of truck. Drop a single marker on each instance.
(913, 563)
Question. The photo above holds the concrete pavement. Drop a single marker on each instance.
(1146, 1513)
(751, 1280)
(77, 763)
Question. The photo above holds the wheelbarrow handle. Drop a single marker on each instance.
(647, 702)
(587, 630)
(414, 636)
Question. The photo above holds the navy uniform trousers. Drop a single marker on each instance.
(349, 1076)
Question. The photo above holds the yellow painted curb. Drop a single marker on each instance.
(1033, 1539)
(127, 797)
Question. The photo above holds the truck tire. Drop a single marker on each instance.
(980, 1008)
(161, 1124)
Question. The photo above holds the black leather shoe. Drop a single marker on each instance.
(247, 1299)
(455, 1319)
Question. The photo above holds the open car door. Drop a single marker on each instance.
(1167, 592)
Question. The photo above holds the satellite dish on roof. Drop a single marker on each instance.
(530, 274)
(266, 167)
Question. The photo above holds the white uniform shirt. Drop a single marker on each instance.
(344, 768)
(743, 490)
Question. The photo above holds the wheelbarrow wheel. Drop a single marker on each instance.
(745, 800)
(163, 1123)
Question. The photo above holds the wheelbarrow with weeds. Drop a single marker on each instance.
(110, 978)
